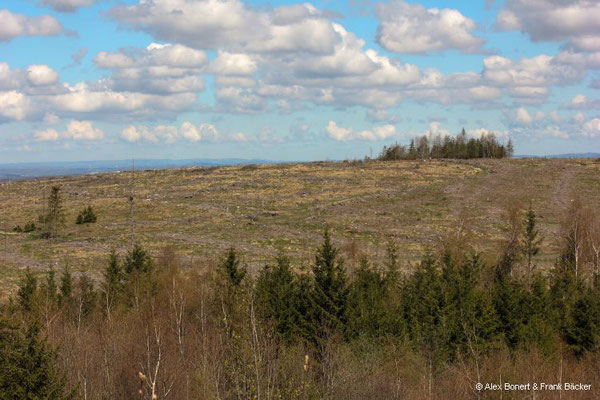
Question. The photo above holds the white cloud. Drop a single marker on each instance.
(134, 134)
(232, 64)
(411, 28)
(67, 5)
(41, 75)
(82, 130)
(171, 133)
(592, 128)
(343, 134)
(76, 130)
(157, 69)
(232, 25)
(522, 116)
(14, 106)
(573, 21)
(14, 25)
(47, 135)
(583, 102)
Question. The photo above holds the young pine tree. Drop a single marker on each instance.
(53, 218)
(530, 242)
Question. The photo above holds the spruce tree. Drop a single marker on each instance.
(112, 287)
(28, 367)
(329, 292)
(531, 241)
(27, 291)
(53, 218)
(366, 302)
(277, 296)
(137, 260)
(231, 268)
(65, 296)
(583, 332)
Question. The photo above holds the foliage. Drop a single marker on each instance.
(427, 146)
(86, 216)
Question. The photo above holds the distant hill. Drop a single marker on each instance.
(567, 155)
(31, 170)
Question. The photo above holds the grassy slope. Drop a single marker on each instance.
(260, 209)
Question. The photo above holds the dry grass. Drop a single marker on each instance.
(264, 208)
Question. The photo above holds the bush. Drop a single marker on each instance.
(86, 216)
(28, 227)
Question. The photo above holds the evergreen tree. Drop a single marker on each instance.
(53, 218)
(137, 260)
(329, 293)
(50, 287)
(583, 333)
(507, 297)
(531, 241)
(277, 295)
(86, 295)
(112, 287)
(28, 367)
(27, 291)
(231, 268)
(65, 296)
(366, 302)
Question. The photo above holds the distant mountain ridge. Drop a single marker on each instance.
(31, 170)
(566, 155)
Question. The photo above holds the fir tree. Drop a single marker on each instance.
(28, 366)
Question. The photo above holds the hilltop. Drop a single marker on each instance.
(261, 209)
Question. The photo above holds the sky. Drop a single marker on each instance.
(286, 80)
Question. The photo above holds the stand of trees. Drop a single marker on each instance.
(427, 146)
(155, 328)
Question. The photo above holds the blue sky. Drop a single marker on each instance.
(105, 79)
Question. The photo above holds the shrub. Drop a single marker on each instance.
(86, 216)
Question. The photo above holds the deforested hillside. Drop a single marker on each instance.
(264, 209)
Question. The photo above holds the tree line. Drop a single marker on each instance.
(459, 147)
(156, 328)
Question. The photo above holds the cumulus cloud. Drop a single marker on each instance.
(15, 25)
(159, 68)
(41, 75)
(47, 135)
(572, 21)
(67, 5)
(14, 106)
(75, 130)
(343, 134)
(522, 116)
(582, 102)
(171, 133)
(231, 24)
(592, 128)
(411, 28)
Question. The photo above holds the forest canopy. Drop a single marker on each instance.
(438, 146)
